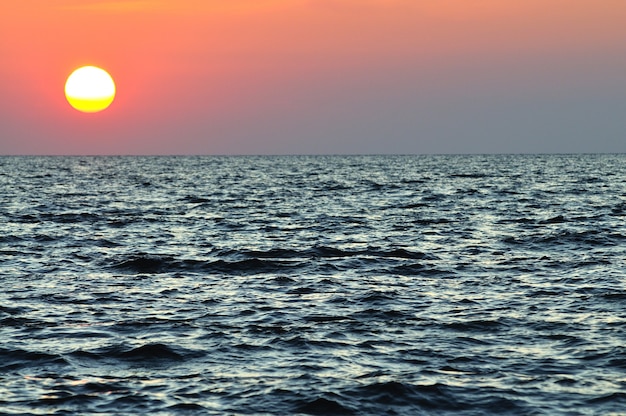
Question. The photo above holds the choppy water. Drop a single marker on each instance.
(313, 285)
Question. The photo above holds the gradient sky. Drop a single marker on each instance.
(317, 76)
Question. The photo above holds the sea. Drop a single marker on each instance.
(313, 285)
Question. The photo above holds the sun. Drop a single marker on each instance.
(90, 89)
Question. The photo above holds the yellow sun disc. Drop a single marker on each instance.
(90, 89)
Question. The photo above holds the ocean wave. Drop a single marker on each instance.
(312, 285)
(146, 353)
(19, 359)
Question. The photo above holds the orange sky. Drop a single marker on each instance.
(252, 76)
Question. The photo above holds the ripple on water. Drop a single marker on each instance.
(312, 285)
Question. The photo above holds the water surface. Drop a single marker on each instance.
(357, 285)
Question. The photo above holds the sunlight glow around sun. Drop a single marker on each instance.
(90, 89)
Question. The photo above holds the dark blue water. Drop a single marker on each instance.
(313, 285)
